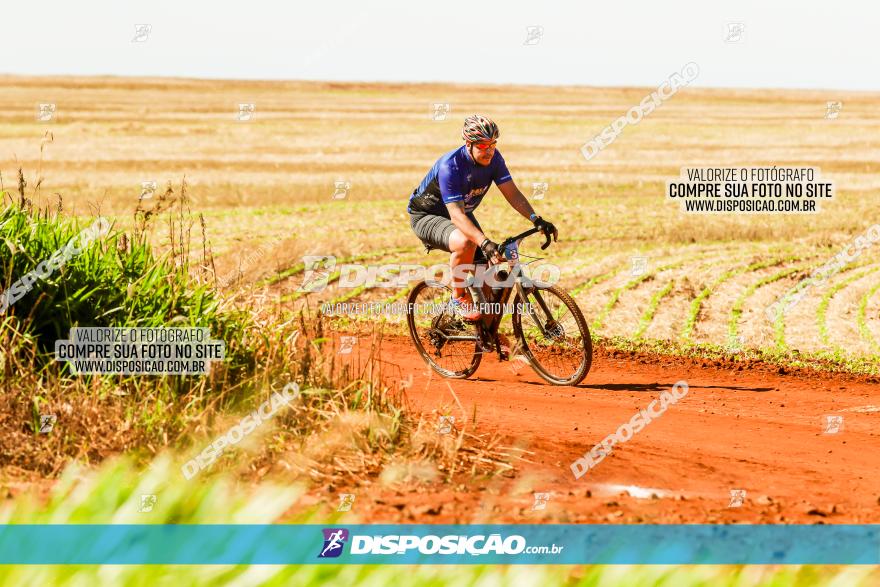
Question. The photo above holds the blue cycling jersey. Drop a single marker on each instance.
(455, 177)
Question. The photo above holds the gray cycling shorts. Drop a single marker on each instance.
(434, 231)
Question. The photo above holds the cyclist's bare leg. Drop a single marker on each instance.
(463, 251)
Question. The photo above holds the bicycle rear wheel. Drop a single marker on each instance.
(554, 335)
(448, 344)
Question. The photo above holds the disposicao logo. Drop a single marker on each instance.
(334, 541)
(450, 544)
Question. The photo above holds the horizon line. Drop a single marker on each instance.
(419, 82)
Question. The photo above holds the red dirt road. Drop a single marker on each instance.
(751, 429)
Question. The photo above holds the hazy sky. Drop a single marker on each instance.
(785, 44)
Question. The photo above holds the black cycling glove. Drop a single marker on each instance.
(546, 227)
(489, 249)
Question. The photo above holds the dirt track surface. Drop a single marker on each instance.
(753, 429)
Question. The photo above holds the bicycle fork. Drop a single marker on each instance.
(527, 308)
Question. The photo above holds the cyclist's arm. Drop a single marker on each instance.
(463, 223)
(516, 199)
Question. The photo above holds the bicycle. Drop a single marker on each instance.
(550, 329)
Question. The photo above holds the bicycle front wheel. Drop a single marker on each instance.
(554, 335)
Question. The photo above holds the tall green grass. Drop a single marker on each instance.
(117, 280)
(120, 281)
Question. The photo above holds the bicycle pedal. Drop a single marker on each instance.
(483, 347)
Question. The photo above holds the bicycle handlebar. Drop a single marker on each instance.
(523, 235)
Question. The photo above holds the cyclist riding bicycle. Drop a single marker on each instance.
(441, 208)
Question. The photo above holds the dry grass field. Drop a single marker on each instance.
(265, 188)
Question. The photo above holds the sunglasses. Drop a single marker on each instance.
(484, 146)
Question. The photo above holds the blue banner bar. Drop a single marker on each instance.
(440, 544)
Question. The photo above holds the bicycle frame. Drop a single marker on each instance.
(488, 325)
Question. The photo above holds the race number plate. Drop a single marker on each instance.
(511, 252)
